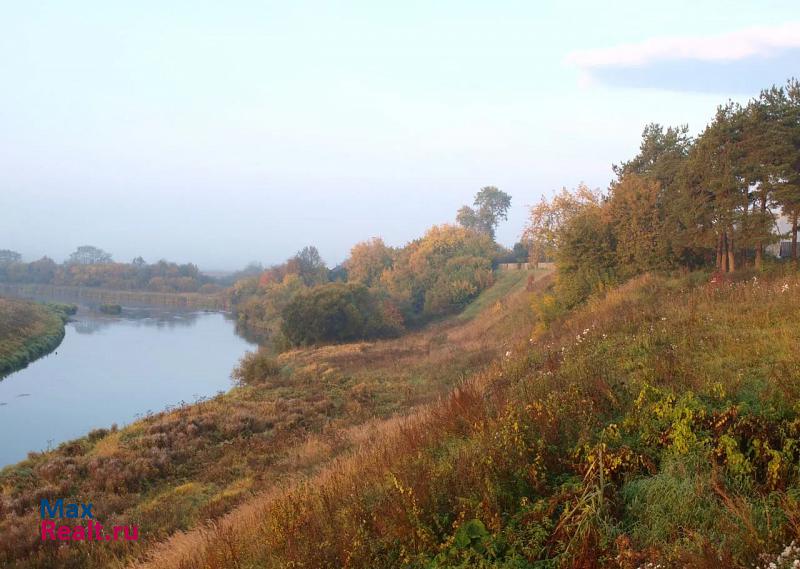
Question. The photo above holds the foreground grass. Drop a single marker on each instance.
(288, 417)
(660, 424)
(27, 331)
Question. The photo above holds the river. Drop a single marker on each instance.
(114, 370)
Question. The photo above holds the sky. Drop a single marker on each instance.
(224, 133)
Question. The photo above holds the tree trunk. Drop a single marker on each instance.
(720, 239)
(723, 265)
(760, 246)
(731, 252)
(794, 237)
(745, 231)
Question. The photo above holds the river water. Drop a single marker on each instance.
(114, 370)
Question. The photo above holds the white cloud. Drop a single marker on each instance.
(761, 41)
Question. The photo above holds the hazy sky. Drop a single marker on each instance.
(224, 132)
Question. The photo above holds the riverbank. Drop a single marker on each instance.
(93, 295)
(289, 416)
(28, 331)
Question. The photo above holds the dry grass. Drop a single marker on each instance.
(177, 469)
(658, 425)
(27, 331)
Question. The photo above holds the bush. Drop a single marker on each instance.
(256, 367)
(337, 312)
(462, 279)
(64, 310)
(111, 309)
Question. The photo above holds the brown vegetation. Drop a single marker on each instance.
(288, 416)
(638, 430)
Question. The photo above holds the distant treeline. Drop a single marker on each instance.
(92, 267)
(99, 296)
(682, 202)
(379, 290)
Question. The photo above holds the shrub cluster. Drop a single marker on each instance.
(376, 293)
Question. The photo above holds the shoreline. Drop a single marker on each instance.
(37, 345)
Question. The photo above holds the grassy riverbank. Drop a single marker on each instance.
(656, 427)
(289, 416)
(27, 331)
(653, 425)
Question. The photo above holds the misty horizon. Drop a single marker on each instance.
(221, 137)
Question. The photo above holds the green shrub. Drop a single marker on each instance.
(256, 367)
(336, 312)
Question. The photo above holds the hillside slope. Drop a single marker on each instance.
(658, 425)
(289, 416)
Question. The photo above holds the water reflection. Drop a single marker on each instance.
(113, 369)
(89, 321)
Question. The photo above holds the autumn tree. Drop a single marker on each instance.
(259, 307)
(546, 218)
(661, 159)
(368, 260)
(441, 271)
(310, 266)
(586, 256)
(489, 208)
(336, 312)
(638, 226)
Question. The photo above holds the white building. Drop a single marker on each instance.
(782, 248)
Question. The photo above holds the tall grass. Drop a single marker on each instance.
(289, 417)
(659, 424)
